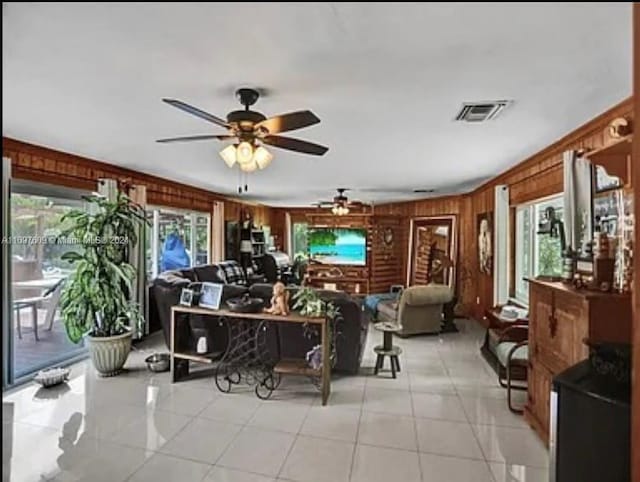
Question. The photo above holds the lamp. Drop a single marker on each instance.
(246, 246)
(244, 153)
(228, 155)
(262, 157)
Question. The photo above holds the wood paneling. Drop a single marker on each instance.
(635, 177)
(536, 177)
(41, 164)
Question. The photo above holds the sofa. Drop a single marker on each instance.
(165, 292)
(419, 309)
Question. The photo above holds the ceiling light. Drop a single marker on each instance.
(244, 153)
(262, 157)
(249, 166)
(339, 210)
(228, 154)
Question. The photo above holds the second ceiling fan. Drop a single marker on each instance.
(340, 205)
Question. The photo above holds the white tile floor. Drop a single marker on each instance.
(444, 419)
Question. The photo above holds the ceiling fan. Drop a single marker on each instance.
(340, 205)
(250, 130)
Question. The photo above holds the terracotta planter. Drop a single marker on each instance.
(109, 354)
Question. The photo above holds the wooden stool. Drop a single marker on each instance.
(387, 348)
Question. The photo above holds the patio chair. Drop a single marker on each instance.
(50, 297)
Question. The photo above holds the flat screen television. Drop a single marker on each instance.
(344, 246)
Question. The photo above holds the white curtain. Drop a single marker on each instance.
(217, 232)
(137, 255)
(288, 235)
(577, 201)
(138, 259)
(501, 246)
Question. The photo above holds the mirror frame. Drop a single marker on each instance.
(453, 243)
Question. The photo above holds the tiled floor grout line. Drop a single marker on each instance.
(295, 439)
(357, 440)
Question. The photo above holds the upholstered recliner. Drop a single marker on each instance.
(420, 308)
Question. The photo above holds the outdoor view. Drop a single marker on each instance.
(536, 254)
(173, 234)
(38, 275)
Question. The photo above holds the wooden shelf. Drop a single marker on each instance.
(615, 158)
(293, 366)
(199, 357)
(338, 279)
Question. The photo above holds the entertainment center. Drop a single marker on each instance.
(374, 265)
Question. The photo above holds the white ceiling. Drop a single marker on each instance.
(386, 80)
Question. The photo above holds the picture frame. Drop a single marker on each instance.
(484, 233)
(210, 296)
(186, 297)
(603, 182)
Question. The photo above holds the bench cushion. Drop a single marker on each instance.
(502, 351)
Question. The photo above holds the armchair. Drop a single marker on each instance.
(419, 309)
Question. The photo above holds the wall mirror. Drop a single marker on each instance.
(432, 251)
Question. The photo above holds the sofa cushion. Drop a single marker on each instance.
(427, 295)
(502, 352)
(209, 273)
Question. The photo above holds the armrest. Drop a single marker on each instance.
(516, 333)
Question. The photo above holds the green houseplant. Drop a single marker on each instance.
(95, 302)
(307, 302)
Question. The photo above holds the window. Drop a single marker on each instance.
(536, 254)
(177, 239)
(299, 241)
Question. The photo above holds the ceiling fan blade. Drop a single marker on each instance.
(289, 122)
(197, 112)
(295, 145)
(222, 137)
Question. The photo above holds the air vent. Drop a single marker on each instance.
(481, 111)
(423, 191)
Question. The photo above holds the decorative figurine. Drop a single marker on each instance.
(279, 300)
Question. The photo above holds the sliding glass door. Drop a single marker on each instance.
(38, 274)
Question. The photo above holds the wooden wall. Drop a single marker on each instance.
(41, 164)
(536, 177)
(635, 329)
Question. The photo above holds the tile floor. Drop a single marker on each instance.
(442, 420)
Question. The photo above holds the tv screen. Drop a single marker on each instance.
(338, 245)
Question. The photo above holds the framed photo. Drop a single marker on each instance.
(603, 181)
(186, 297)
(210, 295)
(485, 242)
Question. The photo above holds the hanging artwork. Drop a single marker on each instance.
(485, 242)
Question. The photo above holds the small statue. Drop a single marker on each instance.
(279, 300)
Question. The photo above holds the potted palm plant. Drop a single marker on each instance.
(95, 302)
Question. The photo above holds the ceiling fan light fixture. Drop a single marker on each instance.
(244, 153)
(228, 155)
(248, 166)
(338, 210)
(262, 157)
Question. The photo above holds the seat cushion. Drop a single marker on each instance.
(502, 352)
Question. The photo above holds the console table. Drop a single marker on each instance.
(246, 357)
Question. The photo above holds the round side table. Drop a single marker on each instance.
(387, 348)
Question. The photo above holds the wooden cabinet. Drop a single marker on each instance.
(561, 319)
